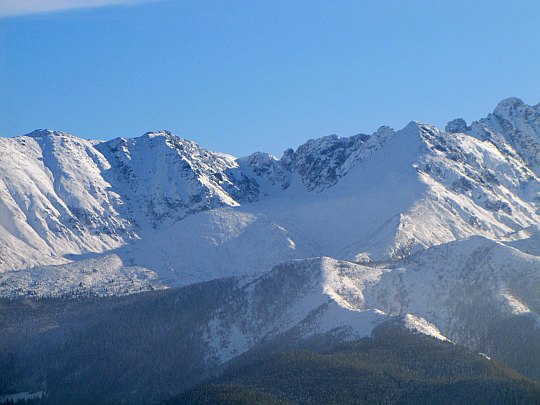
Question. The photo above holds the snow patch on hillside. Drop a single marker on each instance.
(420, 325)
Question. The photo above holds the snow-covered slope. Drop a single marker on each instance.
(527, 240)
(513, 126)
(304, 298)
(462, 287)
(163, 178)
(460, 291)
(54, 200)
(516, 123)
(61, 195)
(101, 276)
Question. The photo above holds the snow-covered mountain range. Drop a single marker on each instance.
(188, 214)
(437, 228)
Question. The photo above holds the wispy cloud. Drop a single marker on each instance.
(22, 7)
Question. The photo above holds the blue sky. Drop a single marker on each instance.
(242, 76)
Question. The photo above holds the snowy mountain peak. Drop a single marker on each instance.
(515, 128)
(164, 178)
(457, 125)
(508, 104)
(413, 126)
(169, 140)
(40, 133)
(259, 159)
(384, 130)
(319, 162)
(152, 134)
